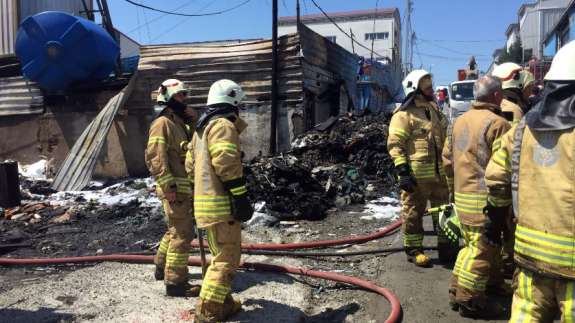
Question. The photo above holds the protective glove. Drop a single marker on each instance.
(406, 180)
(242, 209)
(495, 223)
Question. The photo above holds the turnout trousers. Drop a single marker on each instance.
(224, 241)
(413, 208)
(175, 245)
(538, 298)
(478, 265)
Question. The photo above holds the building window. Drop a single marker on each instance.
(376, 36)
(330, 38)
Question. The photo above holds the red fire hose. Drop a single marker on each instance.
(393, 316)
(395, 312)
(321, 243)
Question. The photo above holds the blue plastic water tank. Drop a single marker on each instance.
(56, 49)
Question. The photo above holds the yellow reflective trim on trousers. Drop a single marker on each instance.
(212, 242)
(523, 300)
(212, 291)
(211, 198)
(156, 140)
(556, 258)
(470, 202)
(399, 161)
(239, 190)
(161, 180)
(568, 306)
(413, 240)
(399, 132)
(163, 248)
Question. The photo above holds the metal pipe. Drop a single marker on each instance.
(274, 101)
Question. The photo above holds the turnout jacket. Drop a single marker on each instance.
(474, 137)
(416, 136)
(512, 103)
(214, 157)
(536, 169)
(166, 152)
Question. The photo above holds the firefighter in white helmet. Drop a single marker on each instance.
(416, 135)
(533, 171)
(517, 84)
(220, 196)
(169, 136)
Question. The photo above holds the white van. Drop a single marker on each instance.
(460, 97)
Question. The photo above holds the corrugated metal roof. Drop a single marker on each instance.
(198, 66)
(32, 7)
(8, 26)
(19, 96)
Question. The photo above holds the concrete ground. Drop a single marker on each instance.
(113, 292)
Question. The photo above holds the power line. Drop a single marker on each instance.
(189, 14)
(451, 50)
(465, 41)
(159, 17)
(342, 31)
(176, 25)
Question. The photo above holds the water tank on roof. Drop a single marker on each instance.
(56, 49)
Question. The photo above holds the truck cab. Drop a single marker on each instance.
(460, 97)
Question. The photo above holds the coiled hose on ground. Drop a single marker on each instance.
(395, 312)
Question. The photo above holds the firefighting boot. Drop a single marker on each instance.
(208, 312)
(503, 289)
(183, 290)
(487, 311)
(159, 273)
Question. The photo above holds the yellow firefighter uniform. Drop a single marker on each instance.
(165, 157)
(416, 136)
(475, 135)
(511, 104)
(213, 160)
(542, 164)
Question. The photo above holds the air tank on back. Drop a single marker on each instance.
(56, 49)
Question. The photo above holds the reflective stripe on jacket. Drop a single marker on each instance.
(545, 234)
(416, 136)
(165, 153)
(215, 157)
(476, 134)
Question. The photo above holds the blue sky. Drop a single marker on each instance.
(444, 28)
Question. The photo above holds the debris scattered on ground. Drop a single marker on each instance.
(348, 164)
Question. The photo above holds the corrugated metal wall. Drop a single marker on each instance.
(8, 27)
(32, 7)
(19, 96)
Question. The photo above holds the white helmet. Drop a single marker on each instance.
(168, 88)
(513, 76)
(225, 91)
(411, 81)
(563, 65)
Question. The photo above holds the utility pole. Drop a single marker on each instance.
(408, 49)
(274, 99)
(352, 41)
(298, 13)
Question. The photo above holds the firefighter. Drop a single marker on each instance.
(220, 196)
(473, 138)
(533, 171)
(517, 86)
(165, 156)
(416, 136)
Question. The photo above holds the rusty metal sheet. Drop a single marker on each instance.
(76, 171)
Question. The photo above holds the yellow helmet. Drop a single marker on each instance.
(168, 88)
(513, 76)
(563, 66)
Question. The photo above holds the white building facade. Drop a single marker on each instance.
(379, 28)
